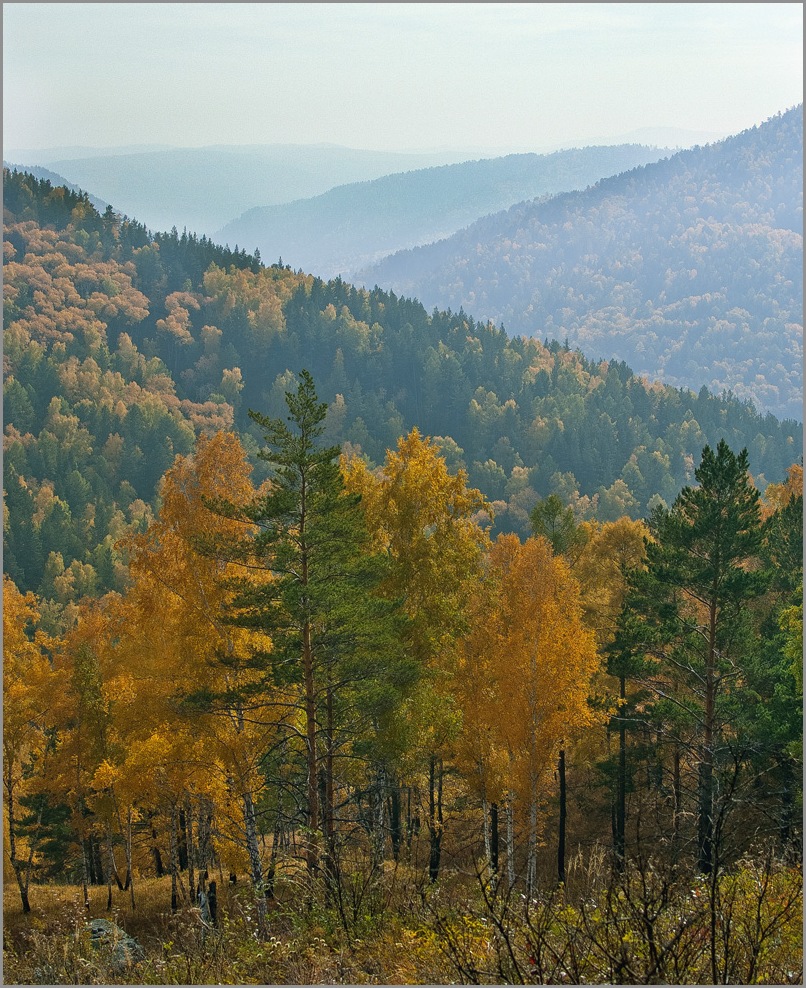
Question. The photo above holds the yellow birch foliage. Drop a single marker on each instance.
(609, 552)
(28, 694)
(525, 669)
(777, 496)
(179, 643)
(479, 684)
(426, 519)
(26, 676)
(83, 714)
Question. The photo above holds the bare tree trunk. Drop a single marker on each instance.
(275, 840)
(435, 819)
(97, 872)
(109, 870)
(395, 828)
(182, 845)
(212, 901)
(494, 842)
(677, 813)
(190, 850)
(531, 846)
(113, 864)
(23, 887)
(22, 872)
(510, 815)
(312, 843)
(705, 822)
(619, 845)
(412, 818)
(328, 797)
(84, 875)
(378, 796)
(204, 830)
(561, 827)
(485, 809)
(129, 870)
(174, 855)
(159, 867)
(126, 834)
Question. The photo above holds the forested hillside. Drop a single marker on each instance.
(353, 225)
(55, 179)
(122, 345)
(689, 269)
(345, 643)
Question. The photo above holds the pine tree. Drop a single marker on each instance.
(555, 522)
(330, 631)
(701, 578)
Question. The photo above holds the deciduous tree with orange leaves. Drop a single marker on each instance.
(525, 675)
(28, 717)
(431, 526)
(202, 696)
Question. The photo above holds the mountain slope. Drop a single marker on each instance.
(689, 269)
(353, 225)
(120, 346)
(203, 188)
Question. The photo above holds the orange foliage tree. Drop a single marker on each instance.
(431, 526)
(203, 711)
(524, 677)
(28, 715)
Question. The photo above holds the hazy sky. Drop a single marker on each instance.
(503, 76)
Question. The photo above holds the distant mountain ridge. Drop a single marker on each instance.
(203, 188)
(689, 269)
(47, 156)
(353, 225)
(671, 137)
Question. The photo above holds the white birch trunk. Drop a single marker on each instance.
(256, 866)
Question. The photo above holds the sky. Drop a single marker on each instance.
(391, 76)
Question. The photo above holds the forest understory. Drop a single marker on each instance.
(649, 924)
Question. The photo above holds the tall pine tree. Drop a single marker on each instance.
(331, 632)
(696, 623)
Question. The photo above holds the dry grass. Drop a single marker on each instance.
(398, 931)
(49, 939)
(303, 947)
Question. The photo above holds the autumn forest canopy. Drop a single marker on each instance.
(428, 635)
